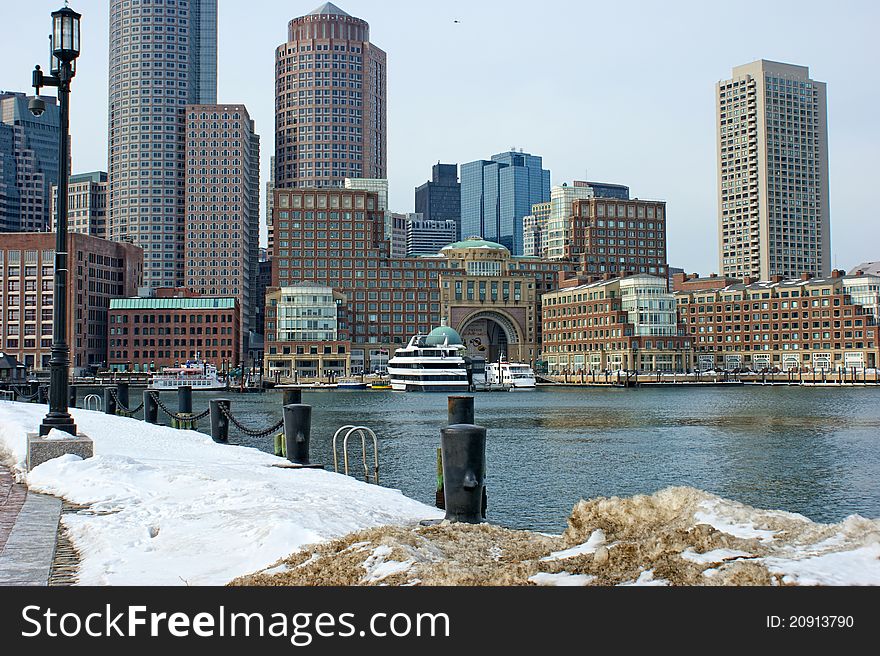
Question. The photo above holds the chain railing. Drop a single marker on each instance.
(250, 432)
(176, 416)
(121, 406)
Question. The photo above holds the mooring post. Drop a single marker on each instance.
(35, 392)
(42, 395)
(151, 408)
(71, 396)
(122, 395)
(464, 472)
(110, 400)
(292, 397)
(184, 408)
(460, 410)
(219, 421)
(297, 433)
(440, 497)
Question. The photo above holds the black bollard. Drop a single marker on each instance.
(42, 395)
(292, 397)
(184, 400)
(460, 410)
(219, 421)
(71, 396)
(151, 408)
(464, 472)
(297, 433)
(122, 396)
(109, 401)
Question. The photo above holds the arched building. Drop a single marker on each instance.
(493, 300)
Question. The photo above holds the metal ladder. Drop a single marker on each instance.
(364, 432)
(93, 399)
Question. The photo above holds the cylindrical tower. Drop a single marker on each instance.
(330, 91)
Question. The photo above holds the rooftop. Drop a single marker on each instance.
(172, 304)
(328, 8)
(475, 242)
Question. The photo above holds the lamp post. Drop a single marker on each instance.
(65, 48)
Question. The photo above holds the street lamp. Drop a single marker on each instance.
(64, 47)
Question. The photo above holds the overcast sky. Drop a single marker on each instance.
(615, 91)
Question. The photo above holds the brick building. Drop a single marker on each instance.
(172, 327)
(335, 238)
(618, 236)
(100, 270)
(627, 323)
(786, 324)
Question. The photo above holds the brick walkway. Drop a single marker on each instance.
(12, 496)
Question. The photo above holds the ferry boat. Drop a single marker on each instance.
(510, 375)
(431, 363)
(198, 375)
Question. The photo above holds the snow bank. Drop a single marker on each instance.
(170, 507)
(679, 536)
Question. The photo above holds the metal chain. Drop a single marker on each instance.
(176, 416)
(248, 431)
(121, 405)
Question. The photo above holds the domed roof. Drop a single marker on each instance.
(476, 242)
(439, 337)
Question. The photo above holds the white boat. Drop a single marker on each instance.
(198, 375)
(510, 375)
(430, 363)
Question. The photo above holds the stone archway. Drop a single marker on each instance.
(491, 334)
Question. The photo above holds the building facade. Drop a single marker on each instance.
(99, 272)
(784, 324)
(535, 229)
(557, 233)
(222, 237)
(166, 330)
(614, 324)
(335, 238)
(307, 339)
(773, 189)
(425, 237)
(86, 204)
(28, 162)
(163, 56)
(264, 282)
(496, 195)
(617, 237)
(439, 199)
(330, 102)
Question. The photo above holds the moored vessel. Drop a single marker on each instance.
(430, 363)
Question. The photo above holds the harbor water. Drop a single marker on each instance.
(813, 451)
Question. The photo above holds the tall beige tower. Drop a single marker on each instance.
(773, 194)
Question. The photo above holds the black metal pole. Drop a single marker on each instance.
(151, 408)
(59, 364)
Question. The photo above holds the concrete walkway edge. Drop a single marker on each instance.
(27, 558)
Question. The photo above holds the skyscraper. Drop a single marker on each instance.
(223, 207)
(28, 163)
(497, 194)
(440, 198)
(330, 102)
(774, 213)
(163, 56)
(86, 204)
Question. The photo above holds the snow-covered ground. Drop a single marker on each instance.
(171, 507)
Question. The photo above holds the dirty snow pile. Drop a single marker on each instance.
(679, 536)
(168, 507)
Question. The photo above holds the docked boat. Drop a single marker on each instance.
(198, 375)
(510, 375)
(351, 384)
(431, 363)
(380, 385)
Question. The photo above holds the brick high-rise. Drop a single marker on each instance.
(330, 102)
(222, 241)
